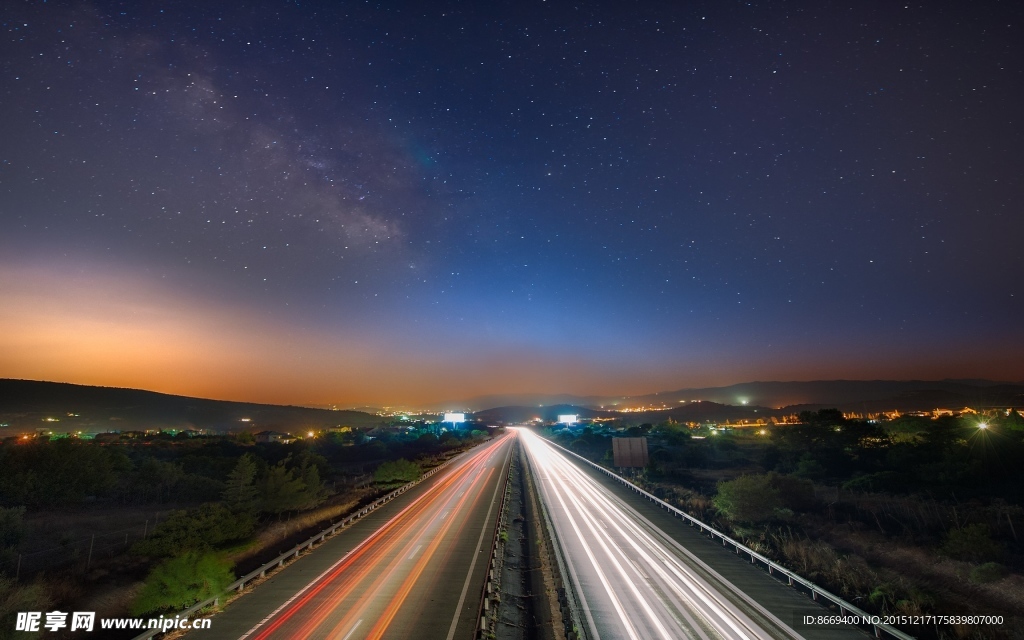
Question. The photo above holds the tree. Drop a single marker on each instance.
(180, 582)
(208, 527)
(281, 491)
(400, 470)
(314, 492)
(241, 493)
(154, 480)
(55, 473)
(1013, 421)
(748, 498)
(823, 418)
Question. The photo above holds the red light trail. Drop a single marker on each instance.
(366, 591)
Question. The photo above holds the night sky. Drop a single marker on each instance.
(344, 202)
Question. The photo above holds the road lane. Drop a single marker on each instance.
(633, 580)
(402, 577)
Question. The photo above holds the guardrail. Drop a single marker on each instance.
(817, 593)
(490, 586)
(279, 561)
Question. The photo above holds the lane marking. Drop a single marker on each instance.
(353, 629)
(376, 590)
(371, 539)
(476, 554)
(415, 551)
(641, 533)
(399, 598)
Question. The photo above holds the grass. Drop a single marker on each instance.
(882, 569)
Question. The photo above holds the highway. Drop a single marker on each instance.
(633, 580)
(412, 569)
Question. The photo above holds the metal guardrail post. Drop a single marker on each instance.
(489, 584)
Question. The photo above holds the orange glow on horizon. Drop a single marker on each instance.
(107, 329)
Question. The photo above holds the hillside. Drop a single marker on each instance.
(61, 407)
(850, 395)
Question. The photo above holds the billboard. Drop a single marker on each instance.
(629, 452)
(568, 418)
(454, 417)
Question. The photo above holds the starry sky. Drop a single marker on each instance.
(402, 202)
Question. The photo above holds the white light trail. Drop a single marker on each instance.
(633, 577)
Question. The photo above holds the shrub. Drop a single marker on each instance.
(180, 582)
(398, 471)
(972, 543)
(16, 597)
(210, 526)
(748, 498)
(880, 481)
(795, 493)
(988, 572)
(809, 467)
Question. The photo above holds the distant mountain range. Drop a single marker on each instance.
(690, 412)
(869, 395)
(62, 407)
(28, 405)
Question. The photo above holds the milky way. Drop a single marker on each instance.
(360, 202)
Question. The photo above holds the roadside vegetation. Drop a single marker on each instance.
(910, 516)
(184, 512)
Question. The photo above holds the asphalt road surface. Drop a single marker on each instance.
(635, 581)
(411, 569)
